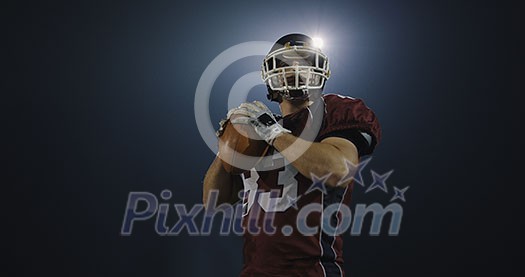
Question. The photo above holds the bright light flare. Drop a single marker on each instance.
(318, 42)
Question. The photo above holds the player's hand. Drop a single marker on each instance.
(222, 125)
(261, 118)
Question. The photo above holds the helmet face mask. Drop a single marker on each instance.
(294, 67)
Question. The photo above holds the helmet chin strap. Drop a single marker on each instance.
(278, 96)
(292, 95)
(307, 94)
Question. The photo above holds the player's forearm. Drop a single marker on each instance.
(217, 178)
(319, 158)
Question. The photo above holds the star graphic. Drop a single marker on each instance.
(318, 183)
(399, 194)
(355, 172)
(379, 181)
(292, 202)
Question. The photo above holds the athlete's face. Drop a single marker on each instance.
(290, 61)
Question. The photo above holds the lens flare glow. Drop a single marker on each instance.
(318, 42)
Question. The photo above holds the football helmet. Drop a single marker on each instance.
(294, 69)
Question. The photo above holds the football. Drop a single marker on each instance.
(240, 139)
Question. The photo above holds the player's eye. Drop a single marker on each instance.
(315, 80)
(277, 81)
(282, 63)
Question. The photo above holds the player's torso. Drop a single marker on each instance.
(283, 216)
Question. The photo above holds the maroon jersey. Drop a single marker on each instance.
(280, 194)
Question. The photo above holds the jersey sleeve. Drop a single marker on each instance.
(351, 119)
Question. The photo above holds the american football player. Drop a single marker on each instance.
(312, 145)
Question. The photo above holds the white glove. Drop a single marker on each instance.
(261, 118)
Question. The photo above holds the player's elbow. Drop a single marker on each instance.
(337, 163)
(337, 175)
(340, 174)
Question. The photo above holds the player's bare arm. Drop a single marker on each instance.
(217, 178)
(320, 158)
(323, 158)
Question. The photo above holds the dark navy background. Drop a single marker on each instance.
(102, 104)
